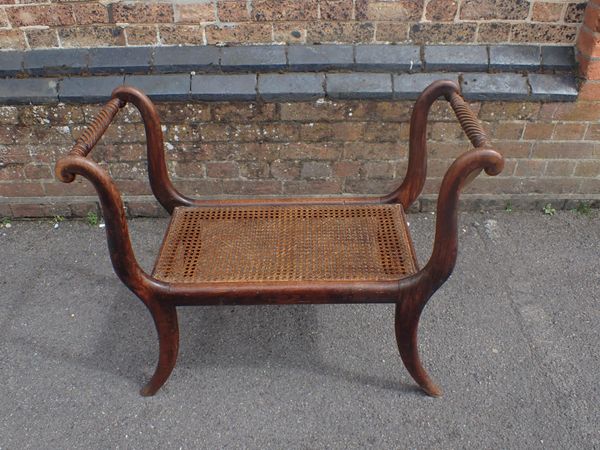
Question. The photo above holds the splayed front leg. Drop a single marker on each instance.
(406, 324)
(165, 319)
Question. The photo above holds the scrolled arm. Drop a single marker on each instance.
(416, 172)
(161, 184)
(117, 232)
(443, 257)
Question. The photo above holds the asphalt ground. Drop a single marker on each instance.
(512, 338)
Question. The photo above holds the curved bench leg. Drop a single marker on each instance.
(406, 324)
(165, 319)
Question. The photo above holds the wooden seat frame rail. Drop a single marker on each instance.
(410, 294)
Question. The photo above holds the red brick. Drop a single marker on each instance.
(442, 150)
(547, 12)
(570, 150)
(45, 38)
(252, 187)
(233, 11)
(402, 10)
(589, 186)
(285, 169)
(336, 9)
(239, 33)
(569, 131)
(90, 13)
(423, 33)
(593, 132)
(513, 149)
(277, 10)
(346, 169)
(199, 187)
(488, 33)
(313, 111)
(445, 131)
(183, 112)
(381, 151)
(142, 35)
(180, 34)
(9, 115)
(441, 10)
(494, 9)
(543, 33)
(243, 112)
(508, 130)
(195, 13)
(38, 171)
(589, 68)
(331, 31)
(290, 32)
(308, 151)
(530, 168)
(312, 187)
(11, 172)
(589, 169)
(91, 36)
(280, 132)
(538, 130)
(226, 169)
(370, 186)
(143, 12)
(254, 170)
(590, 90)
(586, 111)
(49, 15)
(337, 131)
(392, 32)
(575, 12)
(495, 111)
(559, 168)
(592, 18)
(189, 169)
(378, 169)
(588, 42)
(21, 189)
(12, 39)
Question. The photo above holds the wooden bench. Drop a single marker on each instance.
(286, 250)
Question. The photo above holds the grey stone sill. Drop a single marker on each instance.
(281, 58)
(289, 87)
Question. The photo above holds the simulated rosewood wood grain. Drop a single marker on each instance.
(410, 294)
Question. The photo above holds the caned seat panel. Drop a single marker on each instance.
(286, 243)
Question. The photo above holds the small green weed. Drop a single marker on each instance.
(549, 210)
(583, 208)
(5, 222)
(57, 219)
(508, 207)
(92, 219)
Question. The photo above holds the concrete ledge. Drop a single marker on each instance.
(147, 206)
(289, 87)
(469, 58)
(294, 58)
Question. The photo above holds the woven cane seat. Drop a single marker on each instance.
(286, 243)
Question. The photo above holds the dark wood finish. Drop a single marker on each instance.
(410, 293)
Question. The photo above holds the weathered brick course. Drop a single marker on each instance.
(299, 148)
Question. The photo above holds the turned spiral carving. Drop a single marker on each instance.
(468, 121)
(92, 134)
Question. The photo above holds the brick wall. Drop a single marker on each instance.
(303, 148)
(59, 23)
(588, 46)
